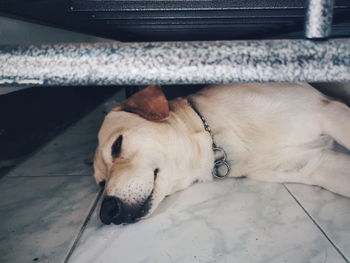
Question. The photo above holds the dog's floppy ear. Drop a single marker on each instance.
(150, 103)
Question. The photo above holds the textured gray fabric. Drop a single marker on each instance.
(319, 16)
(176, 62)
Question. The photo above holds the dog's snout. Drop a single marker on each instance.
(111, 210)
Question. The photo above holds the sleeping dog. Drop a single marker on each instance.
(150, 148)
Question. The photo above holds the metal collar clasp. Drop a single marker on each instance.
(221, 166)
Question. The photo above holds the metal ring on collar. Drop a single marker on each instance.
(220, 150)
(217, 164)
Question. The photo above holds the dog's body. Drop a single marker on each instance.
(270, 132)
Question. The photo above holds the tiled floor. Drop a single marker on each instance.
(49, 206)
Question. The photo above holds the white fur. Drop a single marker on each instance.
(271, 132)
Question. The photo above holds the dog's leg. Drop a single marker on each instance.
(336, 122)
(327, 169)
(332, 173)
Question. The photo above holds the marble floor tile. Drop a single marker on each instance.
(41, 217)
(224, 221)
(65, 154)
(330, 211)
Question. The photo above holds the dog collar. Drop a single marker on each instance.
(221, 167)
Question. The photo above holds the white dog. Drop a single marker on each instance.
(150, 148)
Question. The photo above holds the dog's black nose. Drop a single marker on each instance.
(111, 210)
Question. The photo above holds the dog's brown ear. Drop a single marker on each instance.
(150, 103)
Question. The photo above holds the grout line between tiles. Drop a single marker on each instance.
(317, 225)
(87, 220)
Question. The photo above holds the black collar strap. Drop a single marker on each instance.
(221, 167)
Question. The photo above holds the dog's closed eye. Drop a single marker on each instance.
(116, 147)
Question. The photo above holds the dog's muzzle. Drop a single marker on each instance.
(113, 210)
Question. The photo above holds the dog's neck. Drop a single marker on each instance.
(198, 141)
(221, 167)
(182, 112)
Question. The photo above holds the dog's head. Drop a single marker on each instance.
(147, 151)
